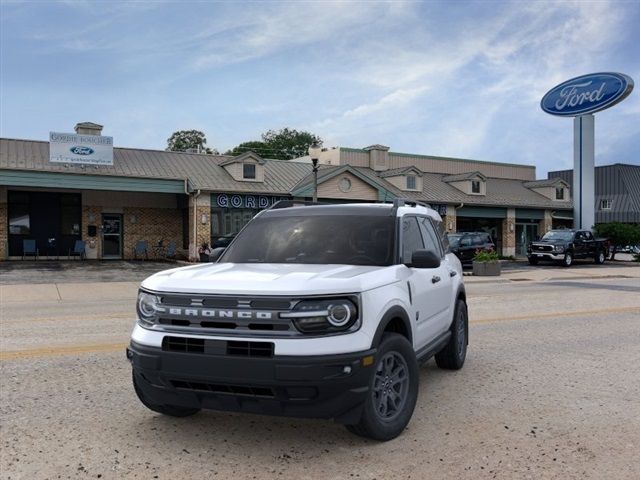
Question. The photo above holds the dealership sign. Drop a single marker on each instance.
(587, 94)
(80, 149)
(226, 200)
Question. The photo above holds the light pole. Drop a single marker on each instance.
(314, 153)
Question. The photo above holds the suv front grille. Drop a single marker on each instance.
(217, 347)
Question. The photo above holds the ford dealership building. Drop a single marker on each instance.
(79, 187)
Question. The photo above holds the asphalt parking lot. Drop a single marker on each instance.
(550, 390)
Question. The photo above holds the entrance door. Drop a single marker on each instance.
(525, 234)
(111, 235)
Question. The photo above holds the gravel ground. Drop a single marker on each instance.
(550, 390)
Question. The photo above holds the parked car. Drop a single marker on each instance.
(564, 246)
(465, 244)
(223, 241)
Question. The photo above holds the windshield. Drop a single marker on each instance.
(454, 239)
(558, 235)
(319, 239)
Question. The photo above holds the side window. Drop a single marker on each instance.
(442, 233)
(478, 240)
(579, 236)
(588, 236)
(430, 238)
(465, 241)
(411, 238)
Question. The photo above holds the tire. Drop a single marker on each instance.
(453, 355)
(532, 260)
(169, 410)
(385, 415)
(567, 261)
(600, 257)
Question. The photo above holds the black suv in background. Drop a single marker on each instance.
(465, 244)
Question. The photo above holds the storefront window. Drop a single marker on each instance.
(70, 214)
(19, 219)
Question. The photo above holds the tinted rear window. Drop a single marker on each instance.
(317, 239)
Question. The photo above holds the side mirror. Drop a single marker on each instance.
(216, 254)
(424, 259)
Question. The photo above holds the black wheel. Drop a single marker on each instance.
(600, 257)
(533, 260)
(452, 356)
(170, 410)
(567, 261)
(393, 390)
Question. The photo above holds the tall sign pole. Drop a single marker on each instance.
(584, 214)
(580, 97)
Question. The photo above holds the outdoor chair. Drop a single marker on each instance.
(78, 250)
(172, 249)
(29, 248)
(142, 247)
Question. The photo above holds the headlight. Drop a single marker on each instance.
(324, 316)
(559, 248)
(148, 306)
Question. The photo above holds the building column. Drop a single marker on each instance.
(199, 223)
(546, 223)
(450, 219)
(4, 225)
(92, 216)
(509, 233)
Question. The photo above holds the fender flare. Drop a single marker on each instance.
(394, 312)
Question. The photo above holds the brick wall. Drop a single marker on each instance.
(151, 224)
(509, 233)
(546, 223)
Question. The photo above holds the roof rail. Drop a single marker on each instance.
(406, 202)
(293, 203)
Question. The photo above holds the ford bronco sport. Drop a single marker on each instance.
(312, 311)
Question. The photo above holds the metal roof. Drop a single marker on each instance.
(281, 177)
(618, 183)
(463, 176)
(203, 171)
(393, 172)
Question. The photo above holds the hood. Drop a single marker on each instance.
(271, 279)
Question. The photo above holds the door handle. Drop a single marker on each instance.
(435, 279)
(452, 273)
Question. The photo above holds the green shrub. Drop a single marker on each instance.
(482, 256)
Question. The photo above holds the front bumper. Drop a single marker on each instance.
(555, 256)
(322, 386)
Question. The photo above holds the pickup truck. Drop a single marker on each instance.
(564, 246)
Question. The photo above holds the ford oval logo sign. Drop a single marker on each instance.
(587, 94)
(81, 150)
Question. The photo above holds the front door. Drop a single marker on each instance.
(111, 235)
(525, 234)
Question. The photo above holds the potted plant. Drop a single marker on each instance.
(486, 263)
(204, 252)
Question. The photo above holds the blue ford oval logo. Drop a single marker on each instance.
(587, 94)
(81, 150)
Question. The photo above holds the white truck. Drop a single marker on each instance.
(321, 311)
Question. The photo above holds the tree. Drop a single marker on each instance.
(283, 144)
(183, 140)
(619, 234)
(289, 143)
(255, 146)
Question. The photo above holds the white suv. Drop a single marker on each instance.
(312, 311)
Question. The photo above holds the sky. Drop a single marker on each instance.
(451, 78)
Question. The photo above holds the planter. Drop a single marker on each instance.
(486, 269)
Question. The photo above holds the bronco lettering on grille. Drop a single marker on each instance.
(212, 313)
